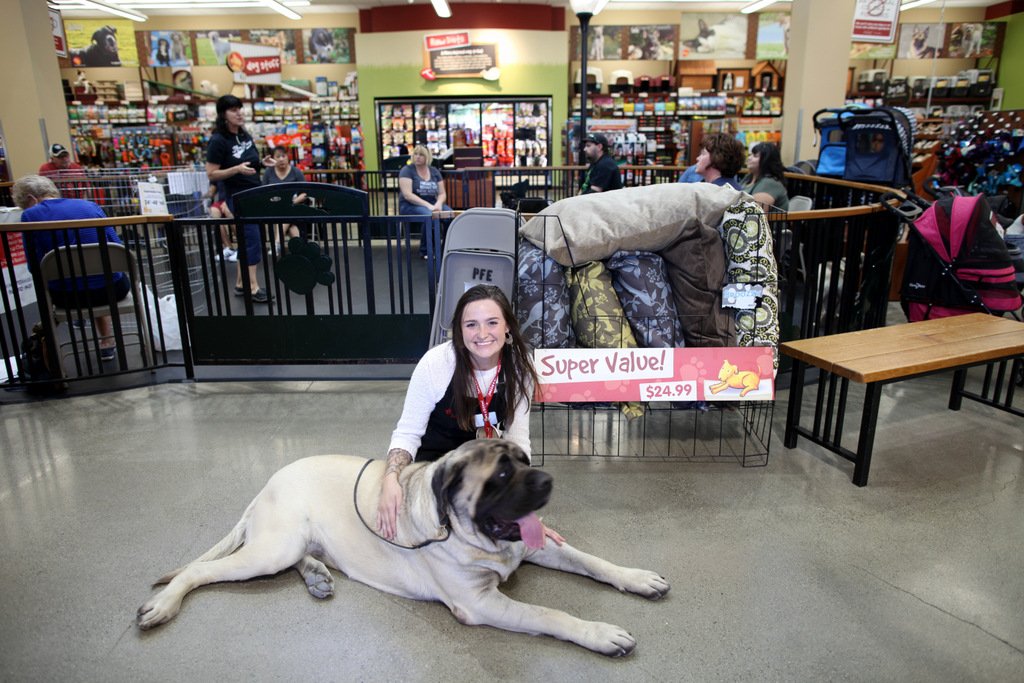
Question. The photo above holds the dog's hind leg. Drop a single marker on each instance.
(266, 553)
(317, 577)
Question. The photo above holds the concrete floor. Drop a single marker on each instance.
(786, 572)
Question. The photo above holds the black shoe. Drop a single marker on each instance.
(108, 354)
(239, 291)
(262, 297)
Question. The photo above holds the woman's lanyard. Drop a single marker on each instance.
(485, 402)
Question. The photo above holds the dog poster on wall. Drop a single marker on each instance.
(860, 50)
(713, 36)
(921, 41)
(772, 35)
(970, 40)
(101, 42)
(604, 42)
(169, 48)
(282, 39)
(328, 45)
(213, 47)
(651, 42)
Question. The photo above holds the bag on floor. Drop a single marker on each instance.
(38, 370)
(168, 317)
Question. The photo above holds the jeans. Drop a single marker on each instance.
(432, 224)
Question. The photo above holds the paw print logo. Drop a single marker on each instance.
(304, 266)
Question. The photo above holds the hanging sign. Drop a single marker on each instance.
(874, 21)
(454, 55)
(647, 374)
(258, 64)
(60, 42)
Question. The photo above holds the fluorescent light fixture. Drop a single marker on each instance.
(281, 9)
(110, 9)
(591, 7)
(911, 4)
(441, 8)
(755, 6)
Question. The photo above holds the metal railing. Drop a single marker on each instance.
(834, 274)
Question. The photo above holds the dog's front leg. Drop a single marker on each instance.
(494, 608)
(569, 559)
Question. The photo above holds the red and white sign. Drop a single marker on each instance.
(441, 41)
(12, 254)
(874, 21)
(260, 64)
(60, 42)
(687, 374)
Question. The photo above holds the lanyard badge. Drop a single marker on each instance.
(486, 422)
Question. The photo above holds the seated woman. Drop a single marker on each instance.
(721, 158)
(766, 181)
(40, 201)
(422, 194)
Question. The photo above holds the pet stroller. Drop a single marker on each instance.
(956, 260)
(866, 145)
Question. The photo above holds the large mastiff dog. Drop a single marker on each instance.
(469, 521)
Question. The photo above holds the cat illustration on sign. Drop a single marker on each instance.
(731, 377)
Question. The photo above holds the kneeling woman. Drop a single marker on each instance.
(478, 385)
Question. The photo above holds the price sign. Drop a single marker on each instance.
(668, 391)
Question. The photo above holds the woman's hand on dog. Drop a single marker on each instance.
(390, 504)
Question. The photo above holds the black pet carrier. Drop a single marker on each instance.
(866, 145)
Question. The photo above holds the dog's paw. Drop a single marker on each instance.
(304, 267)
(155, 612)
(648, 584)
(317, 576)
(608, 639)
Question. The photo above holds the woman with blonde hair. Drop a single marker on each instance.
(422, 194)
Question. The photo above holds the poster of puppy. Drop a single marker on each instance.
(651, 42)
(921, 41)
(604, 42)
(772, 35)
(101, 42)
(713, 36)
(170, 48)
(212, 47)
(282, 39)
(328, 46)
(971, 40)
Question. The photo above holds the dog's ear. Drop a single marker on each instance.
(445, 485)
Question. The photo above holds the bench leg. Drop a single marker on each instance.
(956, 397)
(796, 397)
(868, 421)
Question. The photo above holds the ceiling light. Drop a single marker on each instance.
(441, 8)
(591, 7)
(911, 4)
(281, 9)
(759, 4)
(127, 14)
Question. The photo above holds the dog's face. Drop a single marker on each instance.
(920, 37)
(490, 482)
(106, 39)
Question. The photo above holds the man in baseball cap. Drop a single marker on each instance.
(60, 160)
(603, 173)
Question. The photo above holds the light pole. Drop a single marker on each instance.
(585, 10)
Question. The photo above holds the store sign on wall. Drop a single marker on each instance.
(260, 64)
(685, 374)
(453, 55)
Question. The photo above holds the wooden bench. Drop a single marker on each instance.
(889, 354)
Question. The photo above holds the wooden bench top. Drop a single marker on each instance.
(887, 353)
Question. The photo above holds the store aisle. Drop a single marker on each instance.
(785, 572)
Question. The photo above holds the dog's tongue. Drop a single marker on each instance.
(531, 530)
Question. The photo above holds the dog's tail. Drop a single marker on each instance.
(224, 547)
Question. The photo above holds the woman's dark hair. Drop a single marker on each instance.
(769, 161)
(225, 103)
(516, 364)
(727, 153)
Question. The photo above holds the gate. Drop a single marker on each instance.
(351, 289)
